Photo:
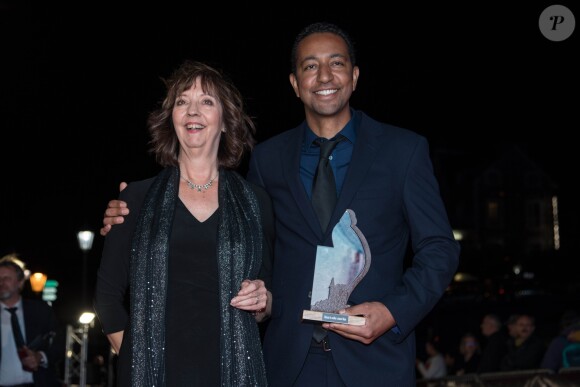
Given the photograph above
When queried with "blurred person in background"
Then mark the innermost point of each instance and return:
(30, 354)
(569, 333)
(469, 356)
(511, 325)
(525, 350)
(434, 366)
(494, 344)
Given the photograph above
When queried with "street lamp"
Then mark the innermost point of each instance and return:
(85, 239)
(86, 320)
(37, 282)
(77, 345)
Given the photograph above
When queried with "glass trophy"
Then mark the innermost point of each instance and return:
(337, 271)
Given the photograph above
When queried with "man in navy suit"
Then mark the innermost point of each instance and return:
(34, 364)
(384, 174)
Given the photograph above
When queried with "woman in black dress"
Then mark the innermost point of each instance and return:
(183, 281)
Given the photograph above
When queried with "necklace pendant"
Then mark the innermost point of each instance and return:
(199, 187)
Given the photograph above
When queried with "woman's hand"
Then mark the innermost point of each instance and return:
(254, 297)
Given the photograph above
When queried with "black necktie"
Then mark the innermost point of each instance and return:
(324, 198)
(16, 328)
(323, 186)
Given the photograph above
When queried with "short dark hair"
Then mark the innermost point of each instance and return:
(321, 27)
(8, 262)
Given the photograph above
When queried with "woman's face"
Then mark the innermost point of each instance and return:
(197, 118)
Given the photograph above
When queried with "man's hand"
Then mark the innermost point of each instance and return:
(30, 359)
(378, 320)
(115, 212)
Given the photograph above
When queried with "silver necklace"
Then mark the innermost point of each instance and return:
(200, 187)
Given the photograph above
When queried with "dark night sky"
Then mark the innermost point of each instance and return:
(75, 92)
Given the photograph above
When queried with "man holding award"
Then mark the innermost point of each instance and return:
(383, 174)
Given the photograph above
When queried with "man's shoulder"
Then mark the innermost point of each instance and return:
(368, 123)
(278, 139)
(275, 144)
(261, 193)
(34, 304)
(34, 301)
(534, 341)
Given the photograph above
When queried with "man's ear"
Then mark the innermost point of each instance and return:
(355, 74)
(294, 83)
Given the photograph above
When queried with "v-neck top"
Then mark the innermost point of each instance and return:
(192, 341)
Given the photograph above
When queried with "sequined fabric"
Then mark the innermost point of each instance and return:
(239, 257)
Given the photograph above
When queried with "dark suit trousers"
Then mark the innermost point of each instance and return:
(319, 370)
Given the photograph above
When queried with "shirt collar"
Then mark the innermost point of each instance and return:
(17, 305)
(349, 131)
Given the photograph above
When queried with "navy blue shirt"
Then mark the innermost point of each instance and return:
(339, 159)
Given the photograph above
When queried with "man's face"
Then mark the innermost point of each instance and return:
(9, 284)
(525, 327)
(488, 327)
(325, 77)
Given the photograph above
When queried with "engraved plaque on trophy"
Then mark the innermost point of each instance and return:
(337, 271)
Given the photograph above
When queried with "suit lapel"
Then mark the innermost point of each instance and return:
(27, 321)
(291, 168)
(365, 151)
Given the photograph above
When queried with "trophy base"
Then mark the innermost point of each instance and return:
(333, 317)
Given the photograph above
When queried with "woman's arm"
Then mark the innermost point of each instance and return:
(116, 339)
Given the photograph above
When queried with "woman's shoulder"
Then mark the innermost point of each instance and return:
(136, 190)
(141, 184)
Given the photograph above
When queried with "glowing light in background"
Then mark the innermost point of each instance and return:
(556, 224)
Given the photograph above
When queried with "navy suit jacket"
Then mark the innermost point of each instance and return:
(391, 187)
(39, 319)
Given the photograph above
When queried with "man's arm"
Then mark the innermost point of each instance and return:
(115, 212)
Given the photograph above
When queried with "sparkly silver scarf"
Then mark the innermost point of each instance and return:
(239, 253)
